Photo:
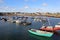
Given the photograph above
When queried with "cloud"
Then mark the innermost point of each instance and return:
(38, 9)
(7, 8)
(45, 4)
(21, 9)
(26, 7)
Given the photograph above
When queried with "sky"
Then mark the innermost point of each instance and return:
(29, 5)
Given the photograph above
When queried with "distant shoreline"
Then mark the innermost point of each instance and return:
(31, 14)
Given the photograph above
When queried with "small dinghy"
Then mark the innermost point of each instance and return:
(40, 32)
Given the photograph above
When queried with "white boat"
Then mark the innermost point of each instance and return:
(18, 21)
(58, 25)
(37, 19)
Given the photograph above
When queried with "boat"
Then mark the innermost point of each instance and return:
(4, 19)
(18, 21)
(57, 28)
(37, 19)
(39, 37)
(41, 33)
(47, 28)
(26, 23)
(12, 21)
(50, 28)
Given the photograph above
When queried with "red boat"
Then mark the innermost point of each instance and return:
(49, 28)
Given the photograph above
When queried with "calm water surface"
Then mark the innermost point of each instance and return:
(12, 31)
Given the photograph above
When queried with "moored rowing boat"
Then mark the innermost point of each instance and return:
(41, 33)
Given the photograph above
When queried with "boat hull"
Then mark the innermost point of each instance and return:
(41, 33)
(50, 29)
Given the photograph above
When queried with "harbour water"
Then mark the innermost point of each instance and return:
(13, 31)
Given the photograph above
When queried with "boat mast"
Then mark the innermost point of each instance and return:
(43, 21)
(48, 21)
(15, 15)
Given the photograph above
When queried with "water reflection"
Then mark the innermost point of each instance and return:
(17, 24)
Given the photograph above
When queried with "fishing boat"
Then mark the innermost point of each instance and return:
(47, 28)
(25, 22)
(41, 33)
(50, 28)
